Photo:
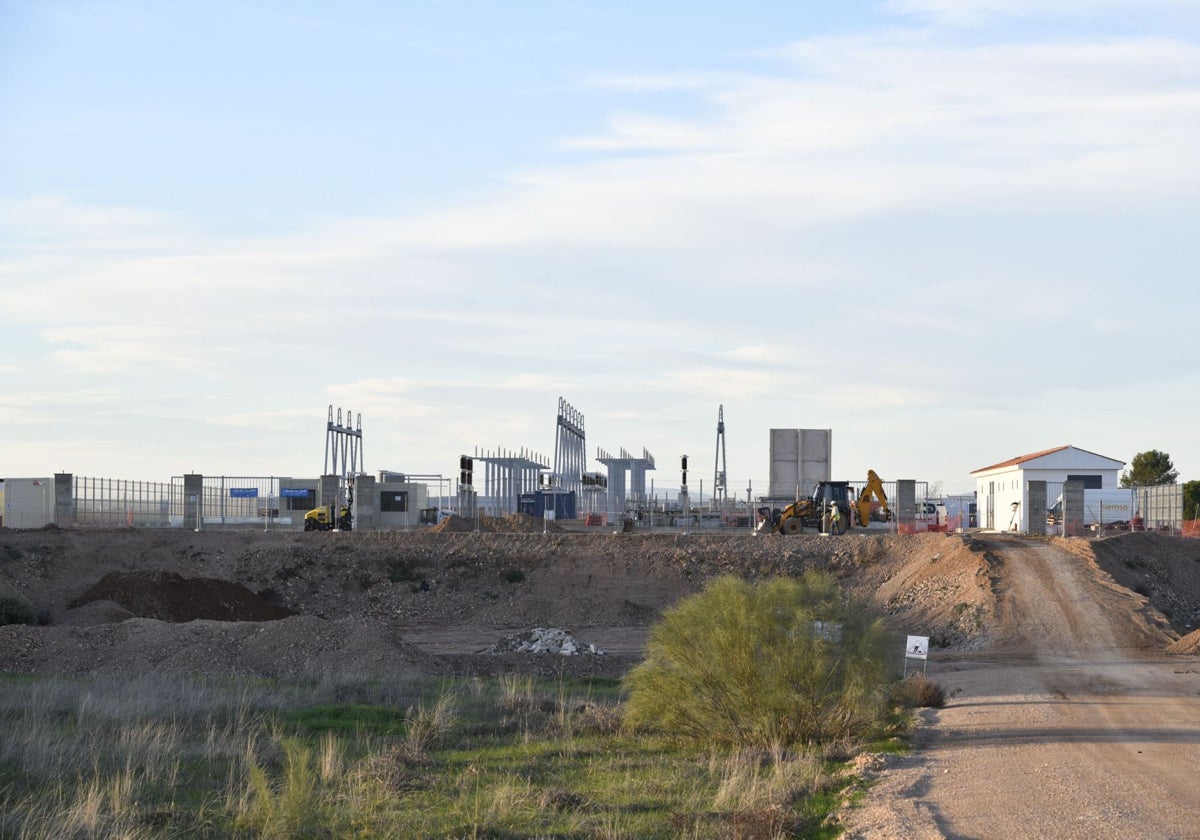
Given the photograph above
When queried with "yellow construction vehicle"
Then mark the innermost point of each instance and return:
(874, 488)
(319, 519)
(817, 511)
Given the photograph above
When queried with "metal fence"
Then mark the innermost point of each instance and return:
(116, 503)
(245, 500)
(1156, 507)
(225, 501)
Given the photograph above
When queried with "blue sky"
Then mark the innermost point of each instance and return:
(952, 232)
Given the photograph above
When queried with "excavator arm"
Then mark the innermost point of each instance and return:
(874, 487)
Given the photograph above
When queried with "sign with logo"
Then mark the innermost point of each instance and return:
(293, 493)
(917, 647)
(243, 492)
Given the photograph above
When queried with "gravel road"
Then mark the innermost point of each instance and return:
(1070, 726)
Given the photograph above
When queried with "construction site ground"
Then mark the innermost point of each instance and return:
(1071, 665)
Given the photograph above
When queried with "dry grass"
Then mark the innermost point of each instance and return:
(175, 758)
(919, 692)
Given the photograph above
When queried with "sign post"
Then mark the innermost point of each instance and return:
(916, 647)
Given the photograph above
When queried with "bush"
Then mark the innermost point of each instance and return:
(918, 692)
(16, 611)
(778, 663)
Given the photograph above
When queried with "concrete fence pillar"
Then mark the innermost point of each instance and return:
(193, 501)
(329, 492)
(906, 505)
(63, 514)
(1035, 513)
(364, 503)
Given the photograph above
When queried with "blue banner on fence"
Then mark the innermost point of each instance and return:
(294, 493)
(243, 492)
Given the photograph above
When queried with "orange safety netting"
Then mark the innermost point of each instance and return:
(919, 527)
(1191, 527)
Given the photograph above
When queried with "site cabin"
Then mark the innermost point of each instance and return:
(1002, 490)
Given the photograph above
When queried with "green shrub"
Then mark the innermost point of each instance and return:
(16, 611)
(781, 662)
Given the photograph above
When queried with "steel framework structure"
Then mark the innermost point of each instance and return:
(719, 489)
(570, 449)
(344, 443)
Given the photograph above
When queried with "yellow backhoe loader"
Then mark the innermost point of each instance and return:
(817, 511)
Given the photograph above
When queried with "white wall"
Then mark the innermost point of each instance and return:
(27, 503)
(1008, 487)
(1011, 485)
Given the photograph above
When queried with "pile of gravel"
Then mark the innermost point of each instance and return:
(544, 640)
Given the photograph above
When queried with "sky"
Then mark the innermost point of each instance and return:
(950, 231)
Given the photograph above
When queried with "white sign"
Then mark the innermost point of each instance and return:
(917, 647)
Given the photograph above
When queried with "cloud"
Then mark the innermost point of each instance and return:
(810, 243)
(974, 13)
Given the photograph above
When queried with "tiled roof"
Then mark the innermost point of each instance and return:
(1020, 459)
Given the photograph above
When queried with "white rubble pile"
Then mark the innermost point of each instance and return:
(544, 640)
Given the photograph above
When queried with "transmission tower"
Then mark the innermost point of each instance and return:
(719, 493)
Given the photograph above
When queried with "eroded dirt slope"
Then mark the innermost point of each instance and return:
(462, 585)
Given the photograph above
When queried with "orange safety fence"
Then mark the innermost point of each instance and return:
(922, 527)
(1191, 528)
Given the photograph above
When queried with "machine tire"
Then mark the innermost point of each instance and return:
(792, 526)
(310, 525)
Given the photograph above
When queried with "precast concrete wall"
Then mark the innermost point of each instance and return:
(799, 459)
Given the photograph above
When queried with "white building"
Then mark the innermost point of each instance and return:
(1003, 489)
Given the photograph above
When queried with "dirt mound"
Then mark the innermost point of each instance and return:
(937, 586)
(167, 596)
(300, 646)
(516, 523)
(1164, 569)
(1189, 645)
(512, 576)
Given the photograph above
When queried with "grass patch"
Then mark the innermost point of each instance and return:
(347, 720)
(504, 757)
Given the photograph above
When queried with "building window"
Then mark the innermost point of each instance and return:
(293, 501)
(393, 501)
(1090, 482)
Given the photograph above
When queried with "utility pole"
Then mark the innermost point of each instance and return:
(719, 463)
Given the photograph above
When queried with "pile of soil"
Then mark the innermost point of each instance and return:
(1189, 645)
(300, 646)
(516, 523)
(1164, 569)
(447, 584)
(167, 596)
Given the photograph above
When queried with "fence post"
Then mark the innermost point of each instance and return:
(193, 501)
(64, 500)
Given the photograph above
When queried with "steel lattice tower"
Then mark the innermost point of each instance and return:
(719, 489)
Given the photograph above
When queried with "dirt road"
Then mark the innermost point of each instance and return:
(1065, 720)
(1071, 725)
